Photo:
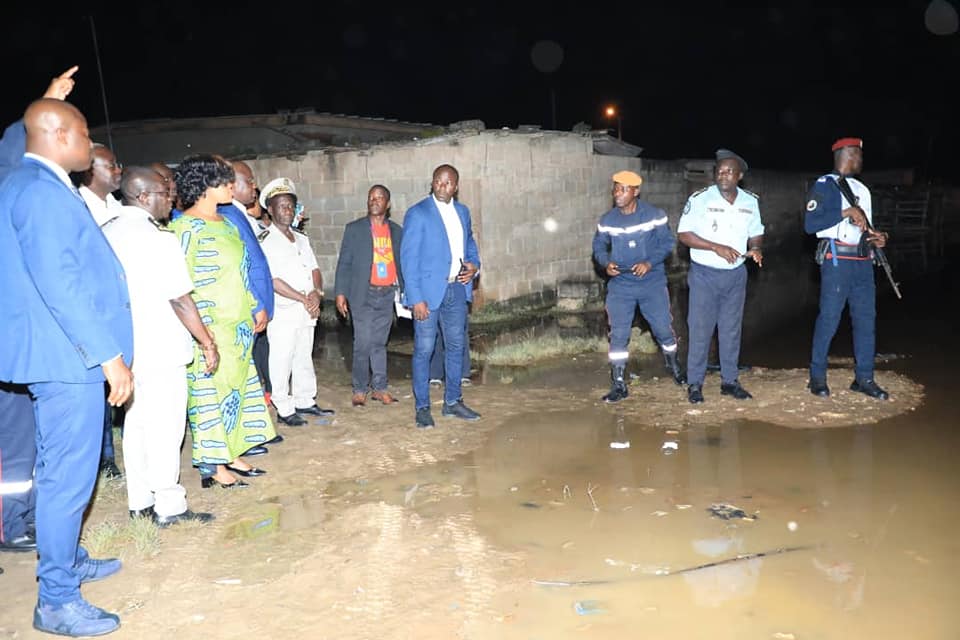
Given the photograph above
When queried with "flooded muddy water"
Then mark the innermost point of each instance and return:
(843, 532)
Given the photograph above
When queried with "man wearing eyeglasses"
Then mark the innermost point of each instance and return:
(98, 183)
(164, 318)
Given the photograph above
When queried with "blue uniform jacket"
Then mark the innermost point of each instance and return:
(824, 205)
(425, 253)
(258, 273)
(68, 309)
(642, 236)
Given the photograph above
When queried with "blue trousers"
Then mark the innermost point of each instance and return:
(654, 302)
(18, 453)
(450, 318)
(69, 421)
(439, 353)
(849, 282)
(716, 303)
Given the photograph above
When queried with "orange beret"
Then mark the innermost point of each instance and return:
(628, 178)
(847, 142)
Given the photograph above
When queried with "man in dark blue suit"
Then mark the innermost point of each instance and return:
(72, 330)
(439, 260)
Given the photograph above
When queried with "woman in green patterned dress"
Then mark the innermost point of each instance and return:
(226, 410)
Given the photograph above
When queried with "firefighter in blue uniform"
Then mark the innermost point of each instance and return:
(721, 225)
(631, 243)
(846, 270)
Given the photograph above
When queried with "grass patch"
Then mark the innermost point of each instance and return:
(533, 349)
(110, 538)
(493, 314)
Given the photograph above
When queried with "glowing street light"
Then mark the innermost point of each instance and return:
(612, 112)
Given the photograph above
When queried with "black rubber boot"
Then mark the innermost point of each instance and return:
(672, 363)
(618, 387)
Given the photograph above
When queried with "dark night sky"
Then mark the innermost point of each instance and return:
(776, 84)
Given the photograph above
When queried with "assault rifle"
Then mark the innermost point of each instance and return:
(878, 252)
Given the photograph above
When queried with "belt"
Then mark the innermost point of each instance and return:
(383, 286)
(846, 252)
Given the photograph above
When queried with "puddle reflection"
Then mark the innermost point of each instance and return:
(829, 530)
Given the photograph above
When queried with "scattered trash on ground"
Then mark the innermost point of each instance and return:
(730, 512)
(620, 445)
(588, 607)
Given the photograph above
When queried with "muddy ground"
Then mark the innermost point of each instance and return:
(292, 558)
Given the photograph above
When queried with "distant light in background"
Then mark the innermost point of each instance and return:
(550, 225)
(941, 18)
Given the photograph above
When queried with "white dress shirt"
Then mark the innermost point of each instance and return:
(451, 222)
(102, 210)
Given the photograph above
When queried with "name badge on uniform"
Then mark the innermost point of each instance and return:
(381, 269)
(632, 244)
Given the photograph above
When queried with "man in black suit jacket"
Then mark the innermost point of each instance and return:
(368, 276)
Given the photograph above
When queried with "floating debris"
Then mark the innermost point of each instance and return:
(729, 512)
(588, 607)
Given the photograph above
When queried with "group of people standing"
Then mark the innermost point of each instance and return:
(722, 227)
(194, 298)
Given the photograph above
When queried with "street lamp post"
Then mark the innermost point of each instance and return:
(612, 112)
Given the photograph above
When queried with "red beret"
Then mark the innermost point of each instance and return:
(847, 142)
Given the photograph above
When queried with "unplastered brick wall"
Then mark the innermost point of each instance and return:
(535, 198)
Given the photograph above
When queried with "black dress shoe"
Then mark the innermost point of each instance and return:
(292, 420)
(316, 411)
(819, 388)
(459, 410)
(277, 439)
(110, 469)
(252, 472)
(734, 389)
(210, 481)
(26, 542)
(695, 393)
(256, 451)
(146, 512)
(870, 388)
(186, 516)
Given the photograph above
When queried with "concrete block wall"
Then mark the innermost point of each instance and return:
(513, 183)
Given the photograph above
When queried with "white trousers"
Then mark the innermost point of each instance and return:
(291, 357)
(153, 431)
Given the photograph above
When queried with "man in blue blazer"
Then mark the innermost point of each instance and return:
(18, 449)
(71, 327)
(439, 260)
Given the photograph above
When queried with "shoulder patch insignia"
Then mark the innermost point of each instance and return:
(686, 208)
(811, 205)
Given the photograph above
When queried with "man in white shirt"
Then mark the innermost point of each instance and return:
(164, 317)
(98, 183)
(96, 186)
(298, 292)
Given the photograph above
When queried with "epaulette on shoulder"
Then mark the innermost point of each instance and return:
(263, 234)
(159, 227)
(303, 233)
(698, 192)
(750, 193)
(109, 222)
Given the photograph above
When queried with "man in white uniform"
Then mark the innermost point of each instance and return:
(164, 317)
(298, 291)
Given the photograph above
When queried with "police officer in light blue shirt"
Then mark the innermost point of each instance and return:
(721, 225)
